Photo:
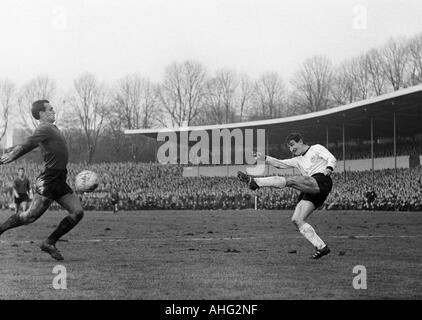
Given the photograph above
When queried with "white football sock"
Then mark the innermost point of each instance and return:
(276, 181)
(310, 234)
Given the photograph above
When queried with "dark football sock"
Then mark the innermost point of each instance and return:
(64, 227)
(13, 222)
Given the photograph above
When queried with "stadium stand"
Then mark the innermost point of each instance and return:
(384, 120)
(155, 186)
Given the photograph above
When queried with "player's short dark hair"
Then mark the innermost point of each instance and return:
(38, 106)
(294, 136)
(21, 168)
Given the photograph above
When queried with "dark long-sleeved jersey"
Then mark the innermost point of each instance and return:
(52, 143)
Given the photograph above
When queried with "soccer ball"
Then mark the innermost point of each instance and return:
(86, 181)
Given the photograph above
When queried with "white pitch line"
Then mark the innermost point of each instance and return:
(212, 239)
(129, 240)
(376, 236)
(208, 239)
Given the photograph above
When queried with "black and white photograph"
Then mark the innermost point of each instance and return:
(234, 151)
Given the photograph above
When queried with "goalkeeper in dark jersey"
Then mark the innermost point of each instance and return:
(51, 184)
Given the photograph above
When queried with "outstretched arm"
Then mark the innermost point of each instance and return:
(29, 144)
(277, 163)
(17, 151)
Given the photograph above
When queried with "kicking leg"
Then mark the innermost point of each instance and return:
(303, 210)
(38, 206)
(302, 183)
(275, 181)
(255, 183)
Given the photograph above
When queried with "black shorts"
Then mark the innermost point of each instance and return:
(52, 184)
(325, 185)
(22, 198)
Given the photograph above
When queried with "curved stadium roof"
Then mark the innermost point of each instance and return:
(356, 117)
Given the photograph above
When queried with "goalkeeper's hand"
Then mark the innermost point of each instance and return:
(10, 156)
(4, 159)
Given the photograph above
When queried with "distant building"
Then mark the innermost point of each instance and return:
(13, 136)
(16, 136)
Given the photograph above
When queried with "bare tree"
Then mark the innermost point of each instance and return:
(40, 88)
(312, 85)
(219, 102)
(377, 77)
(127, 97)
(211, 110)
(395, 59)
(68, 120)
(135, 105)
(351, 81)
(149, 103)
(344, 88)
(415, 57)
(360, 75)
(7, 92)
(182, 91)
(136, 99)
(90, 104)
(227, 83)
(269, 93)
(114, 128)
(244, 96)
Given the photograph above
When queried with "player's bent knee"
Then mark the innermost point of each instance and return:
(77, 215)
(26, 218)
(297, 222)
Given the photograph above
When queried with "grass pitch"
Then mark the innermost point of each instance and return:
(215, 255)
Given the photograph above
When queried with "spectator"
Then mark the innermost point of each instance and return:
(142, 186)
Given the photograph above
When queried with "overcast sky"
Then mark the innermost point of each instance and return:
(112, 38)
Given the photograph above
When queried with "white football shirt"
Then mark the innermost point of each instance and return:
(315, 160)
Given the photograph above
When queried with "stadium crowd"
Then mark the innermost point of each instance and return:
(363, 151)
(154, 186)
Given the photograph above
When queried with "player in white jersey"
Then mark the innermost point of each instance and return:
(315, 163)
